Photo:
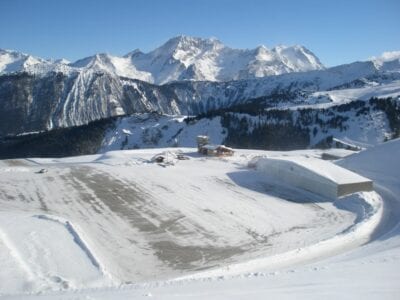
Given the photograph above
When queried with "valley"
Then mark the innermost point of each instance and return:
(105, 195)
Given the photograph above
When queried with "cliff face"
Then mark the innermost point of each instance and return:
(28, 103)
(31, 103)
(34, 103)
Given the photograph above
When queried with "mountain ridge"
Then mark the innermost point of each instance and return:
(49, 94)
(180, 58)
(185, 58)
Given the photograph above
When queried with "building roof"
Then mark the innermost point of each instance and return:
(211, 147)
(202, 137)
(325, 169)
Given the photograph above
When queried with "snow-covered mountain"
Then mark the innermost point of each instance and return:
(184, 58)
(188, 58)
(120, 66)
(388, 61)
(101, 86)
(342, 124)
(194, 59)
(35, 103)
(361, 123)
(180, 58)
(222, 227)
(16, 62)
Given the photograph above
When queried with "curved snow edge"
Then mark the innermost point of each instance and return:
(356, 235)
(77, 235)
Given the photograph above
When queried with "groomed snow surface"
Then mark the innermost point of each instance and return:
(121, 226)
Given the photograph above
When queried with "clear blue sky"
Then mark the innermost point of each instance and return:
(337, 31)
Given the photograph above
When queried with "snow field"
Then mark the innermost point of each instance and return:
(369, 271)
(119, 219)
(49, 252)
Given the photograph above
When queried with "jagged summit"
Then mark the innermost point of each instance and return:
(192, 58)
(14, 62)
(180, 58)
(184, 42)
(388, 61)
(135, 52)
(187, 58)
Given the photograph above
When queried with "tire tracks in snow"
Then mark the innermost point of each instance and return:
(356, 235)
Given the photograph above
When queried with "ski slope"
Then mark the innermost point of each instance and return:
(391, 89)
(194, 229)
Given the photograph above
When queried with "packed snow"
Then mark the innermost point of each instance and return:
(49, 252)
(128, 226)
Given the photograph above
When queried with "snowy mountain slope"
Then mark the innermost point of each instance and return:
(33, 103)
(120, 66)
(93, 89)
(282, 90)
(180, 58)
(188, 58)
(388, 61)
(362, 123)
(155, 131)
(371, 89)
(15, 62)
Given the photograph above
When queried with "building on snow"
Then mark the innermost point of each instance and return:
(315, 175)
(205, 148)
(216, 150)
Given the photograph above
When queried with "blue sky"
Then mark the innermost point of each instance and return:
(336, 31)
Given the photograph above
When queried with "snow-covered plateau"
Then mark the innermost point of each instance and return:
(119, 225)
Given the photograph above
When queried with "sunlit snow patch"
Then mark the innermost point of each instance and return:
(47, 253)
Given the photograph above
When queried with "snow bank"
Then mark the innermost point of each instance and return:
(382, 159)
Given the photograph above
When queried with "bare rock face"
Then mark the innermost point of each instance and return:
(34, 103)
(38, 95)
